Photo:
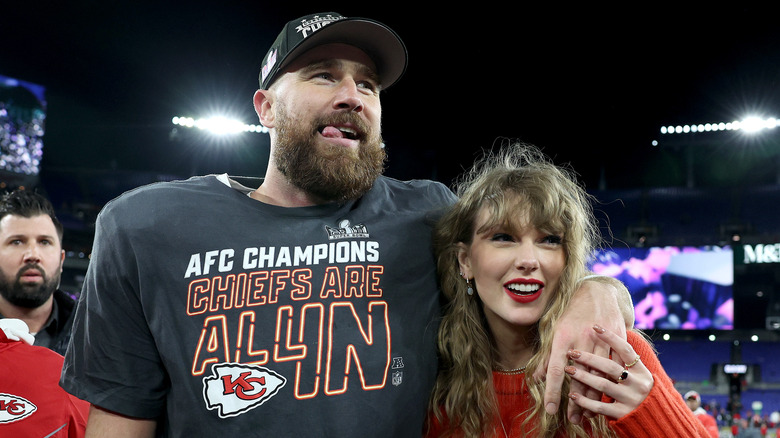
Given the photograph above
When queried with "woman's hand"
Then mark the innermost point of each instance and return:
(594, 301)
(628, 385)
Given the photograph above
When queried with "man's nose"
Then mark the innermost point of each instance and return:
(32, 254)
(348, 96)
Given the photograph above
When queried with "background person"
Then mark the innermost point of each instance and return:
(745, 430)
(510, 253)
(32, 404)
(693, 400)
(31, 259)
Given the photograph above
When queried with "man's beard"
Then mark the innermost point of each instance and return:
(329, 173)
(28, 296)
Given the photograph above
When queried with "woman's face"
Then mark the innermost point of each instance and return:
(515, 271)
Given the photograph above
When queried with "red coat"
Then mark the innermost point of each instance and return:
(662, 413)
(708, 421)
(32, 404)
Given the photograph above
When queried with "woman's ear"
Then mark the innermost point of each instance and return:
(464, 261)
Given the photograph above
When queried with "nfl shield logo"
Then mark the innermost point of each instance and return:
(398, 376)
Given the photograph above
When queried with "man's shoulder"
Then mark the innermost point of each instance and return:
(410, 183)
(158, 194)
(175, 186)
(705, 415)
(155, 204)
(421, 189)
(26, 354)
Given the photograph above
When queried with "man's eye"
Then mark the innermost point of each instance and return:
(368, 86)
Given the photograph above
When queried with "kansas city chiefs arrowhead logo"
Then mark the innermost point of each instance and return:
(234, 388)
(14, 408)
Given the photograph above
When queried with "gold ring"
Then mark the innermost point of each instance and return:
(629, 365)
(623, 376)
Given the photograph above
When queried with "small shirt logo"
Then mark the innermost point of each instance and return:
(14, 408)
(398, 378)
(234, 389)
(345, 230)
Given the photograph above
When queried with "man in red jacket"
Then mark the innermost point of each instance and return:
(31, 401)
(693, 400)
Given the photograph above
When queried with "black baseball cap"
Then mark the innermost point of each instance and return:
(378, 41)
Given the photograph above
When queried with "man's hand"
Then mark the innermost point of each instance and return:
(599, 300)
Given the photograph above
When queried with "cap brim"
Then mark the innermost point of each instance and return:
(379, 42)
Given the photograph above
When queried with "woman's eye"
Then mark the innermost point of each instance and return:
(501, 237)
(553, 239)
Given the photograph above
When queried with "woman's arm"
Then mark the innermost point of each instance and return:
(640, 398)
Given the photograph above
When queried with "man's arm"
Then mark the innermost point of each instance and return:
(103, 423)
(599, 300)
(622, 295)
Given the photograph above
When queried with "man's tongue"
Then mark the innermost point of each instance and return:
(331, 132)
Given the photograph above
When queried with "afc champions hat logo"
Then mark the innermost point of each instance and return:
(308, 27)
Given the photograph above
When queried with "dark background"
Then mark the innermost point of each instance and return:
(590, 85)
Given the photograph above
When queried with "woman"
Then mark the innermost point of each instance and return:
(510, 254)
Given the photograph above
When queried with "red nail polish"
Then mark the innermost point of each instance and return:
(573, 396)
(574, 354)
(599, 328)
(570, 370)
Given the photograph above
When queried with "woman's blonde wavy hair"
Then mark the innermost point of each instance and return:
(519, 181)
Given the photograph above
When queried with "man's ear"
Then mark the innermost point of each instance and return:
(263, 101)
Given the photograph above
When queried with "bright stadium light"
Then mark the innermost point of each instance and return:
(218, 125)
(749, 125)
(755, 124)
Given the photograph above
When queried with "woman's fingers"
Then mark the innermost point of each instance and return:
(624, 378)
(625, 352)
(612, 410)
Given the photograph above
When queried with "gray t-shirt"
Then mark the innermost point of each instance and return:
(218, 314)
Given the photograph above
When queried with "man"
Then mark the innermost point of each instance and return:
(745, 430)
(32, 404)
(31, 259)
(693, 400)
(306, 306)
